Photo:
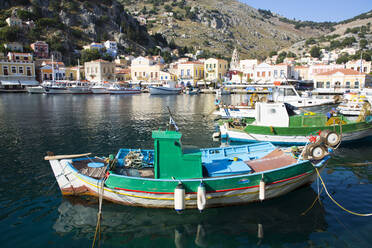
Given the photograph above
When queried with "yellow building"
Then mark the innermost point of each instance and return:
(145, 69)
(72, 73)
(15, 75)
(190, 72)
(215, 69)
(122, 74)
(341, 79)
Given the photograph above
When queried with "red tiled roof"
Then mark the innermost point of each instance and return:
(192, 62)
(343, 71)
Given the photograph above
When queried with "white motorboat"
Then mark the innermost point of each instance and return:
(35, 89)
(79, 87)
(169, 88)
(354, 104)
(56, 87)
(117, 89)
(99, 89)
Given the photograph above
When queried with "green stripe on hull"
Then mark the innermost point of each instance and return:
(212, 184)
(305, 131)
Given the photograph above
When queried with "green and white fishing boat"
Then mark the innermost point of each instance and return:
(168, 177)
(279, 124)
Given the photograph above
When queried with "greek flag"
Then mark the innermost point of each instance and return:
(172, 122)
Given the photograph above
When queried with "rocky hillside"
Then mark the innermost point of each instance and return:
(220, 25)
(355, 33)
(68, 25)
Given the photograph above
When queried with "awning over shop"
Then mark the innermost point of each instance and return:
(9, 82)
(28, 82)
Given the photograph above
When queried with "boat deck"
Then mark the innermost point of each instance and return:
(84, 167)
(274, 160)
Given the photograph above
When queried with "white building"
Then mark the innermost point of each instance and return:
(99, 71)
(111, 48)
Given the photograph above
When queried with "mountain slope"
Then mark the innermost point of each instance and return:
(221, 25)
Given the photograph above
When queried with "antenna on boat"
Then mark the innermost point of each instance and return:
(172, 123)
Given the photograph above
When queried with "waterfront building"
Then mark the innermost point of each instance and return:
(215, 69)
(301, 72)
(341, 80)
(167, 76)
(41, 49)
(146, 68)
(359, 65)
(248, 67)
(99, 71)
(14, 46)
(190, 72)
(321, 68)
(46, 70)
(122, 74)
(235, 74)
(72, 73)
(16, 72)
(267, 74)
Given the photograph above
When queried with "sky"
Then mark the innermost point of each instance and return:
(314, 10)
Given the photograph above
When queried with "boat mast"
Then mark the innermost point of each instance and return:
(52, 69)
(78, 72)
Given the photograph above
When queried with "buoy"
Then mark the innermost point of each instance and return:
(262, 189)
(201, 197)
(179, 197)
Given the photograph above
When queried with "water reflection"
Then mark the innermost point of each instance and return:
(269, 222)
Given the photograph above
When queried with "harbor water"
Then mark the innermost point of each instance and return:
(34, 214)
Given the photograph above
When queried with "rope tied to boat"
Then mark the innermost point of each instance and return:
(99, 214)
(335, 202)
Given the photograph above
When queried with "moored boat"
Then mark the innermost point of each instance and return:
(117, 89)
(168, 177)
(79, 87)
(35, 89)
(168, 88)
(277, 123)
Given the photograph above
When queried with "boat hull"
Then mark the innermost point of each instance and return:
(124, 91)
(36, 90)
(164, 90)
(99, 90)
(291, 139)
(155, 193)
(79, 90)
(57, 90)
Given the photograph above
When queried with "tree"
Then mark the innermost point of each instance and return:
(273, 53)
(315, 52)
(89, 55)
(281, 57)
(343, 58)
(167, 8)
(363, 43)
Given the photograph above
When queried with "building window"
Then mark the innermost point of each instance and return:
(258, 74)
(28, 70)
(166, 77)
(320, 84)
(365, 69)
(17, 57)
(135, 74)
(281, 73)
(214, 66)
(275, 73)
(5, 70)
(25, 58)
(269, 73)
(182, 72)
(200, 72)
(14, 69)
(220, 65)
(104, 69)
(188, 72)
(263, 74)
(196, 72)
(347, 85)
(112, 70)
(328, 84)
(356, 84)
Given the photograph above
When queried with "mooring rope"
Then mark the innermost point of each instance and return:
(335, 202)
(99, 214)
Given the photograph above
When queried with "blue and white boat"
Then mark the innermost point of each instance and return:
(169, 88)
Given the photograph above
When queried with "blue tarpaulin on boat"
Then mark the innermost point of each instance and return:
(224, 167)
(9, 82)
